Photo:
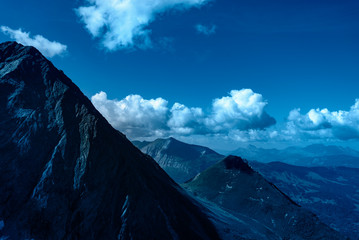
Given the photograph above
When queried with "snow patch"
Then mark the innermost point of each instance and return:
(317, 200)
(9, 67)
(203, 152)
(38, 192)
(165, 145)
(254, 199)
(195, 178)
(81, 162)
(125, 206)
(228, 187)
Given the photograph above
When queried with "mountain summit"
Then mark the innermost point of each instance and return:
(65, 173)
(234, 186)
(180, 160)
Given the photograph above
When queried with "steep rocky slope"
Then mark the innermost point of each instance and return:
(180, 160)
(234, 186)
(65, 173)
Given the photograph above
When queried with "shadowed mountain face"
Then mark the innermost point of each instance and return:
(329, 192)
(180, 160)
(236, 188)
(312, 155)
(65, 173)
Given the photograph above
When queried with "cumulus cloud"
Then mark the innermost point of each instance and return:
(46, 47)
(322, 123)
(206, 30)
(184, 120)
(124, 23)
(243, 110)
(133, 114)
(239, 115)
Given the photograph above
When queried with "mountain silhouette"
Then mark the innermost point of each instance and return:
(65, 173)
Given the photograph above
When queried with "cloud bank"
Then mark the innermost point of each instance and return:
(134, 115)
(206, 30)
(124, 23)
(240, 115)
(46, 47)
(322, 123)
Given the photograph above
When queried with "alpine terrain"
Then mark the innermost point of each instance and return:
(234, 186)
(309, 156)
(329, 192)
(180, 160)
(65, 173)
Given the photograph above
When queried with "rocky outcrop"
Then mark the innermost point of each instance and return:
(235, 187)
(65, 173)
(180, 160)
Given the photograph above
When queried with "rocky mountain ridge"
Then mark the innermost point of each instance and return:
(234, 186)
(65, 173)
(180, 160)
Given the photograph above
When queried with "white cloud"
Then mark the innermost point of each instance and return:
(322, 123)
(185, 120)
(240, 114)
(134, 115)
(243, 110)
(124, 23)
(46, 47)
(206, 30)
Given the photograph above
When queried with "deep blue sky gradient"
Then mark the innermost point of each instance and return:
(297, 54)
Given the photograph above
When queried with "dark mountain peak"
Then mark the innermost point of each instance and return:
(11, 48)
(11, 51)
(172, 139)
(233, 185)
(234, 162)
(26, 64)
(65, 173)
(166, 141)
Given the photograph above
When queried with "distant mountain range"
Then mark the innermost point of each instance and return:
(312, 155)
(180, 160)
(329, 192)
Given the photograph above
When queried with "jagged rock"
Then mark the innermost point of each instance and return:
(180, 160)
(65, 173)
(234, 186)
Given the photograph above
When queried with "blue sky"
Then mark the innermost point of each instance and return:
(278, 55)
